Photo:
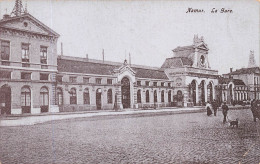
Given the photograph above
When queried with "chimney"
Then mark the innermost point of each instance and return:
(6, 16)
(87, 57)
(61, 51)
(230, 76)
(103, 54)
(129, 59)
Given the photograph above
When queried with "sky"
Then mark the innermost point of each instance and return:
(150, 30)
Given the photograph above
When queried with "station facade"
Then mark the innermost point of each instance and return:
(35, 79)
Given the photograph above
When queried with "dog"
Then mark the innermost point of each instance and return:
(234, 123)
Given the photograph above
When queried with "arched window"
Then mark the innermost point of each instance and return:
(59, 97)
(109, 96)
(155, 96)
(26, 99)
(169, 96)
(86, 96)
(147, 96)
(139, 96)
(44, 99)
(162, 96)
(73, 96)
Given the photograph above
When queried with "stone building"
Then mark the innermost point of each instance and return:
(242, 84)
(190, 71)
(28, 64)
(34, 79)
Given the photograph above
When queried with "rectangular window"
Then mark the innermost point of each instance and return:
(25, 53)
(169, 84)
(147, 83)
(73, 79)
(59, 78)
(162, 84)
(26, 76)
(98, 80)
(5, 50)
(139, 83)
(109, 81)
(43, 55)
(44, 76)
(5, 75)
(85, 80)
(155, 84)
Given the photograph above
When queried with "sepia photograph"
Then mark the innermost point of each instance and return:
(129, 81)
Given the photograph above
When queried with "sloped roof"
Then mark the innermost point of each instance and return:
(245, 71)
(227, 80)
(176, 62)
(85, 67)
(183, 48)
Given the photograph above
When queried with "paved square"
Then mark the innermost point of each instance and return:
(180, 138)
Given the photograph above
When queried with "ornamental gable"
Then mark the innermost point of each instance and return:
(27, 23)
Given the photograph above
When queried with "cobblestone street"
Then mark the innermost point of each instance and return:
(180, 138)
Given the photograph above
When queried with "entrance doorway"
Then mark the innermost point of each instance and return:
(98, 98)
(193, 92)
(5, 99)
(125, 89)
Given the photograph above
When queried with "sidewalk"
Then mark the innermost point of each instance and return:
(20, 120)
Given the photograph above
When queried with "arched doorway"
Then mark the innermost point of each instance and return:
(125, 89)
(5, 99)
(193, 92)
(179, 98)
(210, 92)
(202, 85)
(99, 98)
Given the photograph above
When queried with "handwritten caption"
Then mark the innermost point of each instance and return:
(213, 10)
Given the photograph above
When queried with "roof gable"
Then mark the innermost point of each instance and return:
(202, 45)
(27, 23)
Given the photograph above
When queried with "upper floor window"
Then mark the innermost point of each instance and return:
(162, 84)
(5, 50)
(109, 81)
(5, 75)
(73, 79)
(26, 75)
(139, 83)
(25, 52)
(147, 83)
(169, 84)
(155, 84)
(85, 80)
(43, 55)
(98, 80)
(44, 76)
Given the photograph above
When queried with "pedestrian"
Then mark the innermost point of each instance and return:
(215, 107)
(225, 111)
(254, 109)
(209, 109)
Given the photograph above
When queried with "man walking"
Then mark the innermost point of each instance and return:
(215, 107)
(224, 111)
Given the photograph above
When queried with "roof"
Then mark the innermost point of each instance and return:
(177, 62)
(100, 68)
(183, 48)
(29, 16)
(245, 71)
(228, 80)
